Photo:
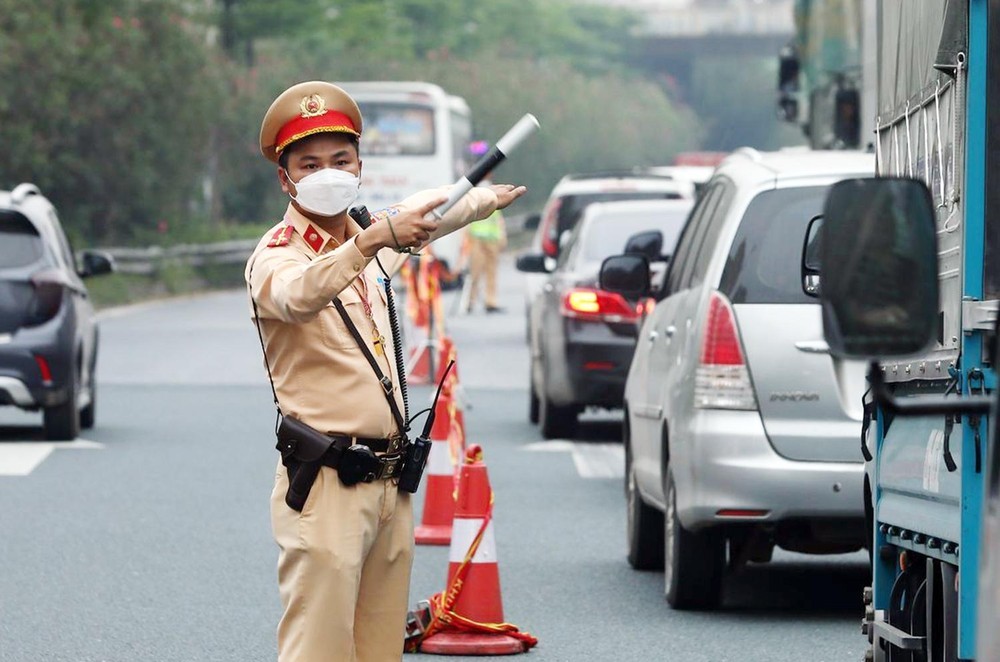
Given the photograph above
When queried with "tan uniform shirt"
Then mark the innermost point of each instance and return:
(320, 374)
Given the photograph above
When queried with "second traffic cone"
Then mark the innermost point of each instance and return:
(439, 499)
(471, 619)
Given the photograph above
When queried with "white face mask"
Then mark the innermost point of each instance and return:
(327, 192)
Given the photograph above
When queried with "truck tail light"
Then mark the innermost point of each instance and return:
(597, 305)
(722, 380)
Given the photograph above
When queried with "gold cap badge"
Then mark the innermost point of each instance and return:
(312, 106)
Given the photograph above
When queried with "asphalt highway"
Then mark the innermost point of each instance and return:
(149, 538)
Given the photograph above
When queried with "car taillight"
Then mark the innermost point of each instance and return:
(722, 380)
(44, 370)
(597, 305)
(550, 229)
(48, 295)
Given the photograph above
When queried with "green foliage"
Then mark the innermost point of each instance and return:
(104, 108)
(140, 118)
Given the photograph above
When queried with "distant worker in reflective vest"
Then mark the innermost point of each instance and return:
(487, 239)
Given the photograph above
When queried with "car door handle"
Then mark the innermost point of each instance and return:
(670, 331)
(813, 346)
(548, 287)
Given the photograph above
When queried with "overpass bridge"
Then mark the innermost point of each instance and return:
(673, 34)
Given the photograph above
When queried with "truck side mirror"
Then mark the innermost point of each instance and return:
(878, 250)
(648, 243)
(627, 275)
(788, 69)
(810, 257)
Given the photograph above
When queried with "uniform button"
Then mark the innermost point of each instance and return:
(312, 236)
(357, 267)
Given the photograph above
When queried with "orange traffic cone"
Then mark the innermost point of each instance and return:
(419, 367)
(439, 497)
(446, 354)
(468, 617)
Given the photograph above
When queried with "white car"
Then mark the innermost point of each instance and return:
(573, 193)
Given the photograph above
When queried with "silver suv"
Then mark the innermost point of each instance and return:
(741, 431)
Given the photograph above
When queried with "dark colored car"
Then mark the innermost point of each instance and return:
(48, 335)
(581, 337)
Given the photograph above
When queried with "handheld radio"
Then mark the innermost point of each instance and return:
(418, 451)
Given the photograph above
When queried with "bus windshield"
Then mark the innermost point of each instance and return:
(397, 129)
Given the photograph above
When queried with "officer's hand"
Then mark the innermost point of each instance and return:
(409, 228)
(507, 193)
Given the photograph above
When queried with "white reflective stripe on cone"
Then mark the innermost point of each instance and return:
(439, 461)
(463, 532)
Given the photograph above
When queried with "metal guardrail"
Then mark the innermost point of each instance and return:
(148, 261)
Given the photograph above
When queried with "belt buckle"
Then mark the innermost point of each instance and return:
(395, 444)
(390, 466)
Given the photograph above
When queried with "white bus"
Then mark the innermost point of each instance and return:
(416, 136)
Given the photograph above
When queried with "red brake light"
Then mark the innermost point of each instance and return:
(43, 368)
(721, 344)
(550, 230)
(592, 304)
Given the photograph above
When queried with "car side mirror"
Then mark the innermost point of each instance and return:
(810, 257)
(531, 221)
(95, 263)
(878, 250)
(627, 275)
(648, 243)
(532, 263)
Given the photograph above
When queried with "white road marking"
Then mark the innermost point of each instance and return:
(592, 460)
(554, 446)
(599, 460)
(20, 458)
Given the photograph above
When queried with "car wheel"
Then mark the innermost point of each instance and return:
(556, 422)
(533, 404)
(693, 561)
(88, 413)
(62, 422)
(644, 524)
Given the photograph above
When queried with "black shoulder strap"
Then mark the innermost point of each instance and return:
(260, 336)
(383, 380)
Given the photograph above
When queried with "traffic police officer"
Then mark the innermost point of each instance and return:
(344, 560)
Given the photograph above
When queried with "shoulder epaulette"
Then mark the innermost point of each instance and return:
(281, 237)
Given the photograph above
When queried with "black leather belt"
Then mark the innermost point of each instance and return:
(394, 445)
(375, 468)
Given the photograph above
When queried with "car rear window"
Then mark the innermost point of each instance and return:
(571, 206)
(607, 236)
(20, 244)
(764, 260)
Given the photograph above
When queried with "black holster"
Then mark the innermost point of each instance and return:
(302, 450)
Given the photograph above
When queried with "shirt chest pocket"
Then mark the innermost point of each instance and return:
(335, 332)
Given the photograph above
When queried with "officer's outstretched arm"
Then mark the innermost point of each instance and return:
(475, 205)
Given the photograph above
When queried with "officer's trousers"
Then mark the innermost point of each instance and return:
(484, 260)
(343, 570)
